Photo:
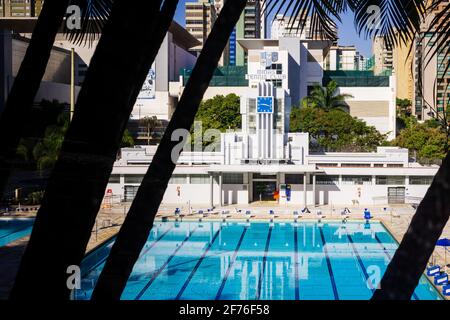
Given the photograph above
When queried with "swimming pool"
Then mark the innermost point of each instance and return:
(12, 229)
(248, 261)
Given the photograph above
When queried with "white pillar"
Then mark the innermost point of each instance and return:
(314, 190)
(304, 189)
(211, 194)
(220, 189)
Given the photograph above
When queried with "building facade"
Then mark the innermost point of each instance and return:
(431, 79)
(288, 27)
(251, 25)
(20, 8)
(383, 55)
(264, 157)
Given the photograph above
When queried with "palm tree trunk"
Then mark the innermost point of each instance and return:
(410, 260)
(139, 221)
(129, 44)
(26, 84)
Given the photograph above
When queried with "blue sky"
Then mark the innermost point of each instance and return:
(346, 31)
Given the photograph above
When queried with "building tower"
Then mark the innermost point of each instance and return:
(251, 25)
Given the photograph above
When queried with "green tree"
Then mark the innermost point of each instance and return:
(127, 140)
(149, 124)
(46, 152)
(327, 97)
(403, 106)
(425, 142)
(220, 113)
(335, 130)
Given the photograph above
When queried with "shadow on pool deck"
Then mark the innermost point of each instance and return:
(10, 256)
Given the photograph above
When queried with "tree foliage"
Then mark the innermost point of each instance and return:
(335, 130)
(220, 113)
(425, 141)
(327, 97)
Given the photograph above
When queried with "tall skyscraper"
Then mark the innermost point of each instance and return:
(431, 82)
(251, 25)
(200, 17)
(382, 54)
(403, 70)
(20, 8)
(284, 26)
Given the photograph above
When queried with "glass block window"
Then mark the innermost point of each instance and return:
(420, 180)
(233, 178)
(199, 179)
(178, 179)
(398, 180)
(134, 178)
(293, 179)
(357, 180)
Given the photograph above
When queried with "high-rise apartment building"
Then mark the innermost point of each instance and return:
(20, 8)
(286, 27)
(251, 25)
(383, 55)
(431, 81)
(403, 70)
(200, 17)
(342, 58)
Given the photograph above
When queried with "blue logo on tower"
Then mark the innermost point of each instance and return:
(264, 105)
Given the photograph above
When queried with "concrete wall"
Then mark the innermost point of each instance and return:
(375, 105)
(337, 194)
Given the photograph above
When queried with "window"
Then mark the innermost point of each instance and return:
(178, 179)
(378, 165)
(355, 165)
(293, 179)
(114, 178)
(359, 180)
(420, 180)
(399, 180)
(199, 179)
(322, 179)
(233, 178)
(326, 164)
(134, 178)
(395, 165)
(264, 176)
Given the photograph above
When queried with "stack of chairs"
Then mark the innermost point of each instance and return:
(440, 278)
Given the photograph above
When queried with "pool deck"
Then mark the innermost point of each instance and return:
(396, 219)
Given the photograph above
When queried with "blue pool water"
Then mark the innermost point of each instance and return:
(14, 229)
(217, 260)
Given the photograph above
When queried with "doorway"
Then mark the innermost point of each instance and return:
(264, 190)
(396, 195)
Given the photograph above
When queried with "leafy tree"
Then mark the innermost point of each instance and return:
(335, 130)
(220, 113)
(149, 124)
(403, 106)
(424, 141)
(327, 97)
(127, 140)
(46, 152)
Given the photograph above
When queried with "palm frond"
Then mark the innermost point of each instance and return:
(396, 20)
(321, 13)
(94, 14)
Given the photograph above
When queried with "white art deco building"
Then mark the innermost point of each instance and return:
(264, 158)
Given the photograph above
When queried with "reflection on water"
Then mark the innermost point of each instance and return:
(217, 260)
